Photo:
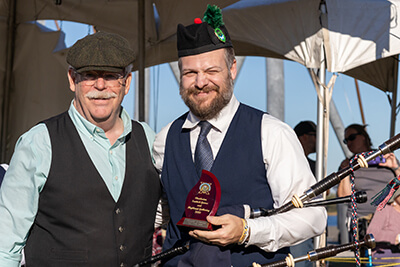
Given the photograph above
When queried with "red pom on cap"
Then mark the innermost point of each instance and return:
(197, 21)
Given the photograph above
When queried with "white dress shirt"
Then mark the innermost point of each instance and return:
(288, 173)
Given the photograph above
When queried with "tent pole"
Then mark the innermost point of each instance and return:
(394, 96)
(320, 159)
(359, 102)
(275, 88)
(141, 59)
(322, 139)
(10, 49)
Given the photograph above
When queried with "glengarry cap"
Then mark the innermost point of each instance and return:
(203, 36)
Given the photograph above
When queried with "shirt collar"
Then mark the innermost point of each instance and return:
(89, 129)
(221, 122)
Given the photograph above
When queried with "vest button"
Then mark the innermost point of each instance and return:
(122, 247)
(121, 229)
(117, 211)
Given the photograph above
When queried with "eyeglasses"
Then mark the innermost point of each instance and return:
(350, 138)
(111, 79)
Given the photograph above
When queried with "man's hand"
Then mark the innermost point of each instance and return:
(230, 232)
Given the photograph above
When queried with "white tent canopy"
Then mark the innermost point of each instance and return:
(359, 38)
(354, 32)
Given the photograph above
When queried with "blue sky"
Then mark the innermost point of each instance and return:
(250, 88)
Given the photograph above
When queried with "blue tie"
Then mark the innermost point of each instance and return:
(203, 156)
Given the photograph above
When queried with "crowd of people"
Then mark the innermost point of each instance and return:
(89, 186)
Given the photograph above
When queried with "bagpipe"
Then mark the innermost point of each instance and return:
(333, 179)
(360, 196)
(304, 201)
(322, 253)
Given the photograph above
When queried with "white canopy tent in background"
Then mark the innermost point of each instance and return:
(39, 74)
(354, 37)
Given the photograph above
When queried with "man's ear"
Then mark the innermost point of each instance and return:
(233, 70)
(72, 79)
(128, 83)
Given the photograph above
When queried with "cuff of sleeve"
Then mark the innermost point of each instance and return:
(247, 211)
(259, 234)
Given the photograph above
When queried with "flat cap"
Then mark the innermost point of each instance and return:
(100, 51)
(203, 36)
(305, 127)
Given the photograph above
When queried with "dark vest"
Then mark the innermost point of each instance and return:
(2, 173)
(239, 168)
(78, 222)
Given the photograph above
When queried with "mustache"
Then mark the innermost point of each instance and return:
(100, 95)
(207, 89)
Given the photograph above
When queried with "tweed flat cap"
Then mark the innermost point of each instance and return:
(203, 36)
(100, 51)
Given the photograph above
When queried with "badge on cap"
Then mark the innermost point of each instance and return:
(219, 33)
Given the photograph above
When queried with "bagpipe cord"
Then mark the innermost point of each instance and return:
(360, 158)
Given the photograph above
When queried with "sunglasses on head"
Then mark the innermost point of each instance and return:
(350, 138)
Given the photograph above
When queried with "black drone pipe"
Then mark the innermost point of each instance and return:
(164, 255)
(329, 251)
(361, 197)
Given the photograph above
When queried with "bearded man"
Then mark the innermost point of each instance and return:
(256, 158)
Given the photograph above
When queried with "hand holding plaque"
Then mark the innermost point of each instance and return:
(202, 201)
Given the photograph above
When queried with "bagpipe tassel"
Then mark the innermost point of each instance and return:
(385, 194)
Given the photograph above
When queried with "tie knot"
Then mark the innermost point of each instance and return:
(205, 128)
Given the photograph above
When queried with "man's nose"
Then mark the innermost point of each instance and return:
(201, 80)
(100, 83)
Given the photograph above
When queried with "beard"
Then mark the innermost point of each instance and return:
(207, 112)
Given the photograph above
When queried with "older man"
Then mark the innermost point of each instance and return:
(257, 159)
(81, 189)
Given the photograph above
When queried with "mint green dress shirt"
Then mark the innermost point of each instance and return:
(29, 169)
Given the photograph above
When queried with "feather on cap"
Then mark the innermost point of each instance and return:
(213, 16)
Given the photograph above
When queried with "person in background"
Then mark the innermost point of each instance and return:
(306, 132)
(81, 188)
(385, 228)
(256, 158)
(372, 179)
